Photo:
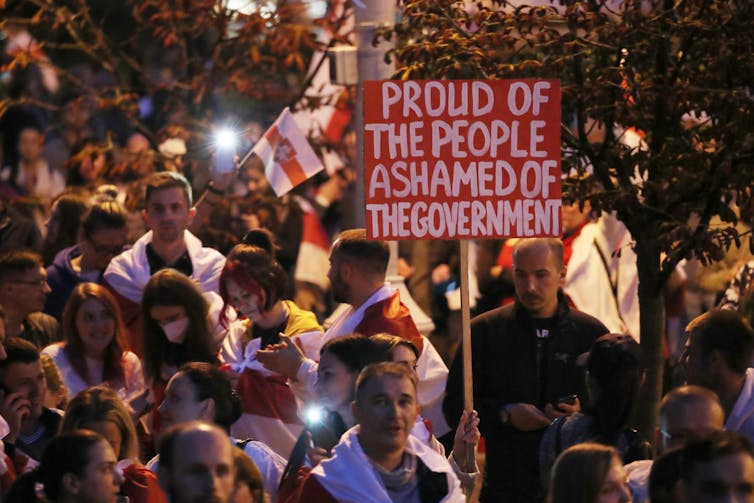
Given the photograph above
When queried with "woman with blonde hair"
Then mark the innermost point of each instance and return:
(589, 473)
(92, 352)
(57, 394)
(100, 410)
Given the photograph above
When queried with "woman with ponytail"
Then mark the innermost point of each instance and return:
(200, 391)
(76, 467)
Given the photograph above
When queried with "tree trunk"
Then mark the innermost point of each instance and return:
(652, 323)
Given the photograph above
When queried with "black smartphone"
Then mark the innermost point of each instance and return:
(568, 399)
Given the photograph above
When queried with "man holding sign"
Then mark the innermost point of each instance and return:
(525, 372)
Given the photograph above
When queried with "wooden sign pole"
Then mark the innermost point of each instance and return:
(468, 380)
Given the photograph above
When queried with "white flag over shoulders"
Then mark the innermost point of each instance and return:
(286, 154)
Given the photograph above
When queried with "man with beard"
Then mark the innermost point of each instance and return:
(22, 394)
(525, 372)
(357, 277)
(23, 291)
(718, 356)
(168, 244)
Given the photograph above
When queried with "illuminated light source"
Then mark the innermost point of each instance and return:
(314, 414)
(242, 6)
(226, 139)
(317, 8)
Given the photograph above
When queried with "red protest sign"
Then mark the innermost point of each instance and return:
(454, 159)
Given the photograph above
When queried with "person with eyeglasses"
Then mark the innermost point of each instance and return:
(102, 236)
(23, 291)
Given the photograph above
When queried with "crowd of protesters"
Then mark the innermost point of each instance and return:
(158, 346)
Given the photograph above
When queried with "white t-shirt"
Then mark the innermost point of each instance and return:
(134, 377)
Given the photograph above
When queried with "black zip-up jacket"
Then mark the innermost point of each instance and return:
(512, 365)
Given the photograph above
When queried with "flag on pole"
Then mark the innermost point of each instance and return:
(313, 259)
(286, 154)
(330, 118)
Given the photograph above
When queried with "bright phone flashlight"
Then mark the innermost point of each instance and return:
(226, 141)
(313, 415)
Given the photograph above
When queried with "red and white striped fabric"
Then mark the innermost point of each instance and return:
(286, 154)
(330, 118)
(313, 259)
(269, 406)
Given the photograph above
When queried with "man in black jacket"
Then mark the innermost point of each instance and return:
(525, 372)
(22, 394)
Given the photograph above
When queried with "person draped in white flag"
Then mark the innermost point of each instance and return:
(253, 282)
(357, 276)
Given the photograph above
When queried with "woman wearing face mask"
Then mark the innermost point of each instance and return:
(176, 329)
(253, 282)
(92, 352)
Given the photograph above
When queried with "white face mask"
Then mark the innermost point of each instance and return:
(175, 331)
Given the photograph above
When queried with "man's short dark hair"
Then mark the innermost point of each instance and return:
(354, 351)
(15, 262)
(19, 351)
(353, 244)
(664, 476)
(167, 180)
(102, 216)
(383, 369)
(723, 443)
(726, 331)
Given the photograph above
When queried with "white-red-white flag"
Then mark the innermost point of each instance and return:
(286, 154)
(332, 116)
(313, 259)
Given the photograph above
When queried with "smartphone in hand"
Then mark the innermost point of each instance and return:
(226, 141)
(568, 399)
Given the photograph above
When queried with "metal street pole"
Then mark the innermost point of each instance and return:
(370, 16)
